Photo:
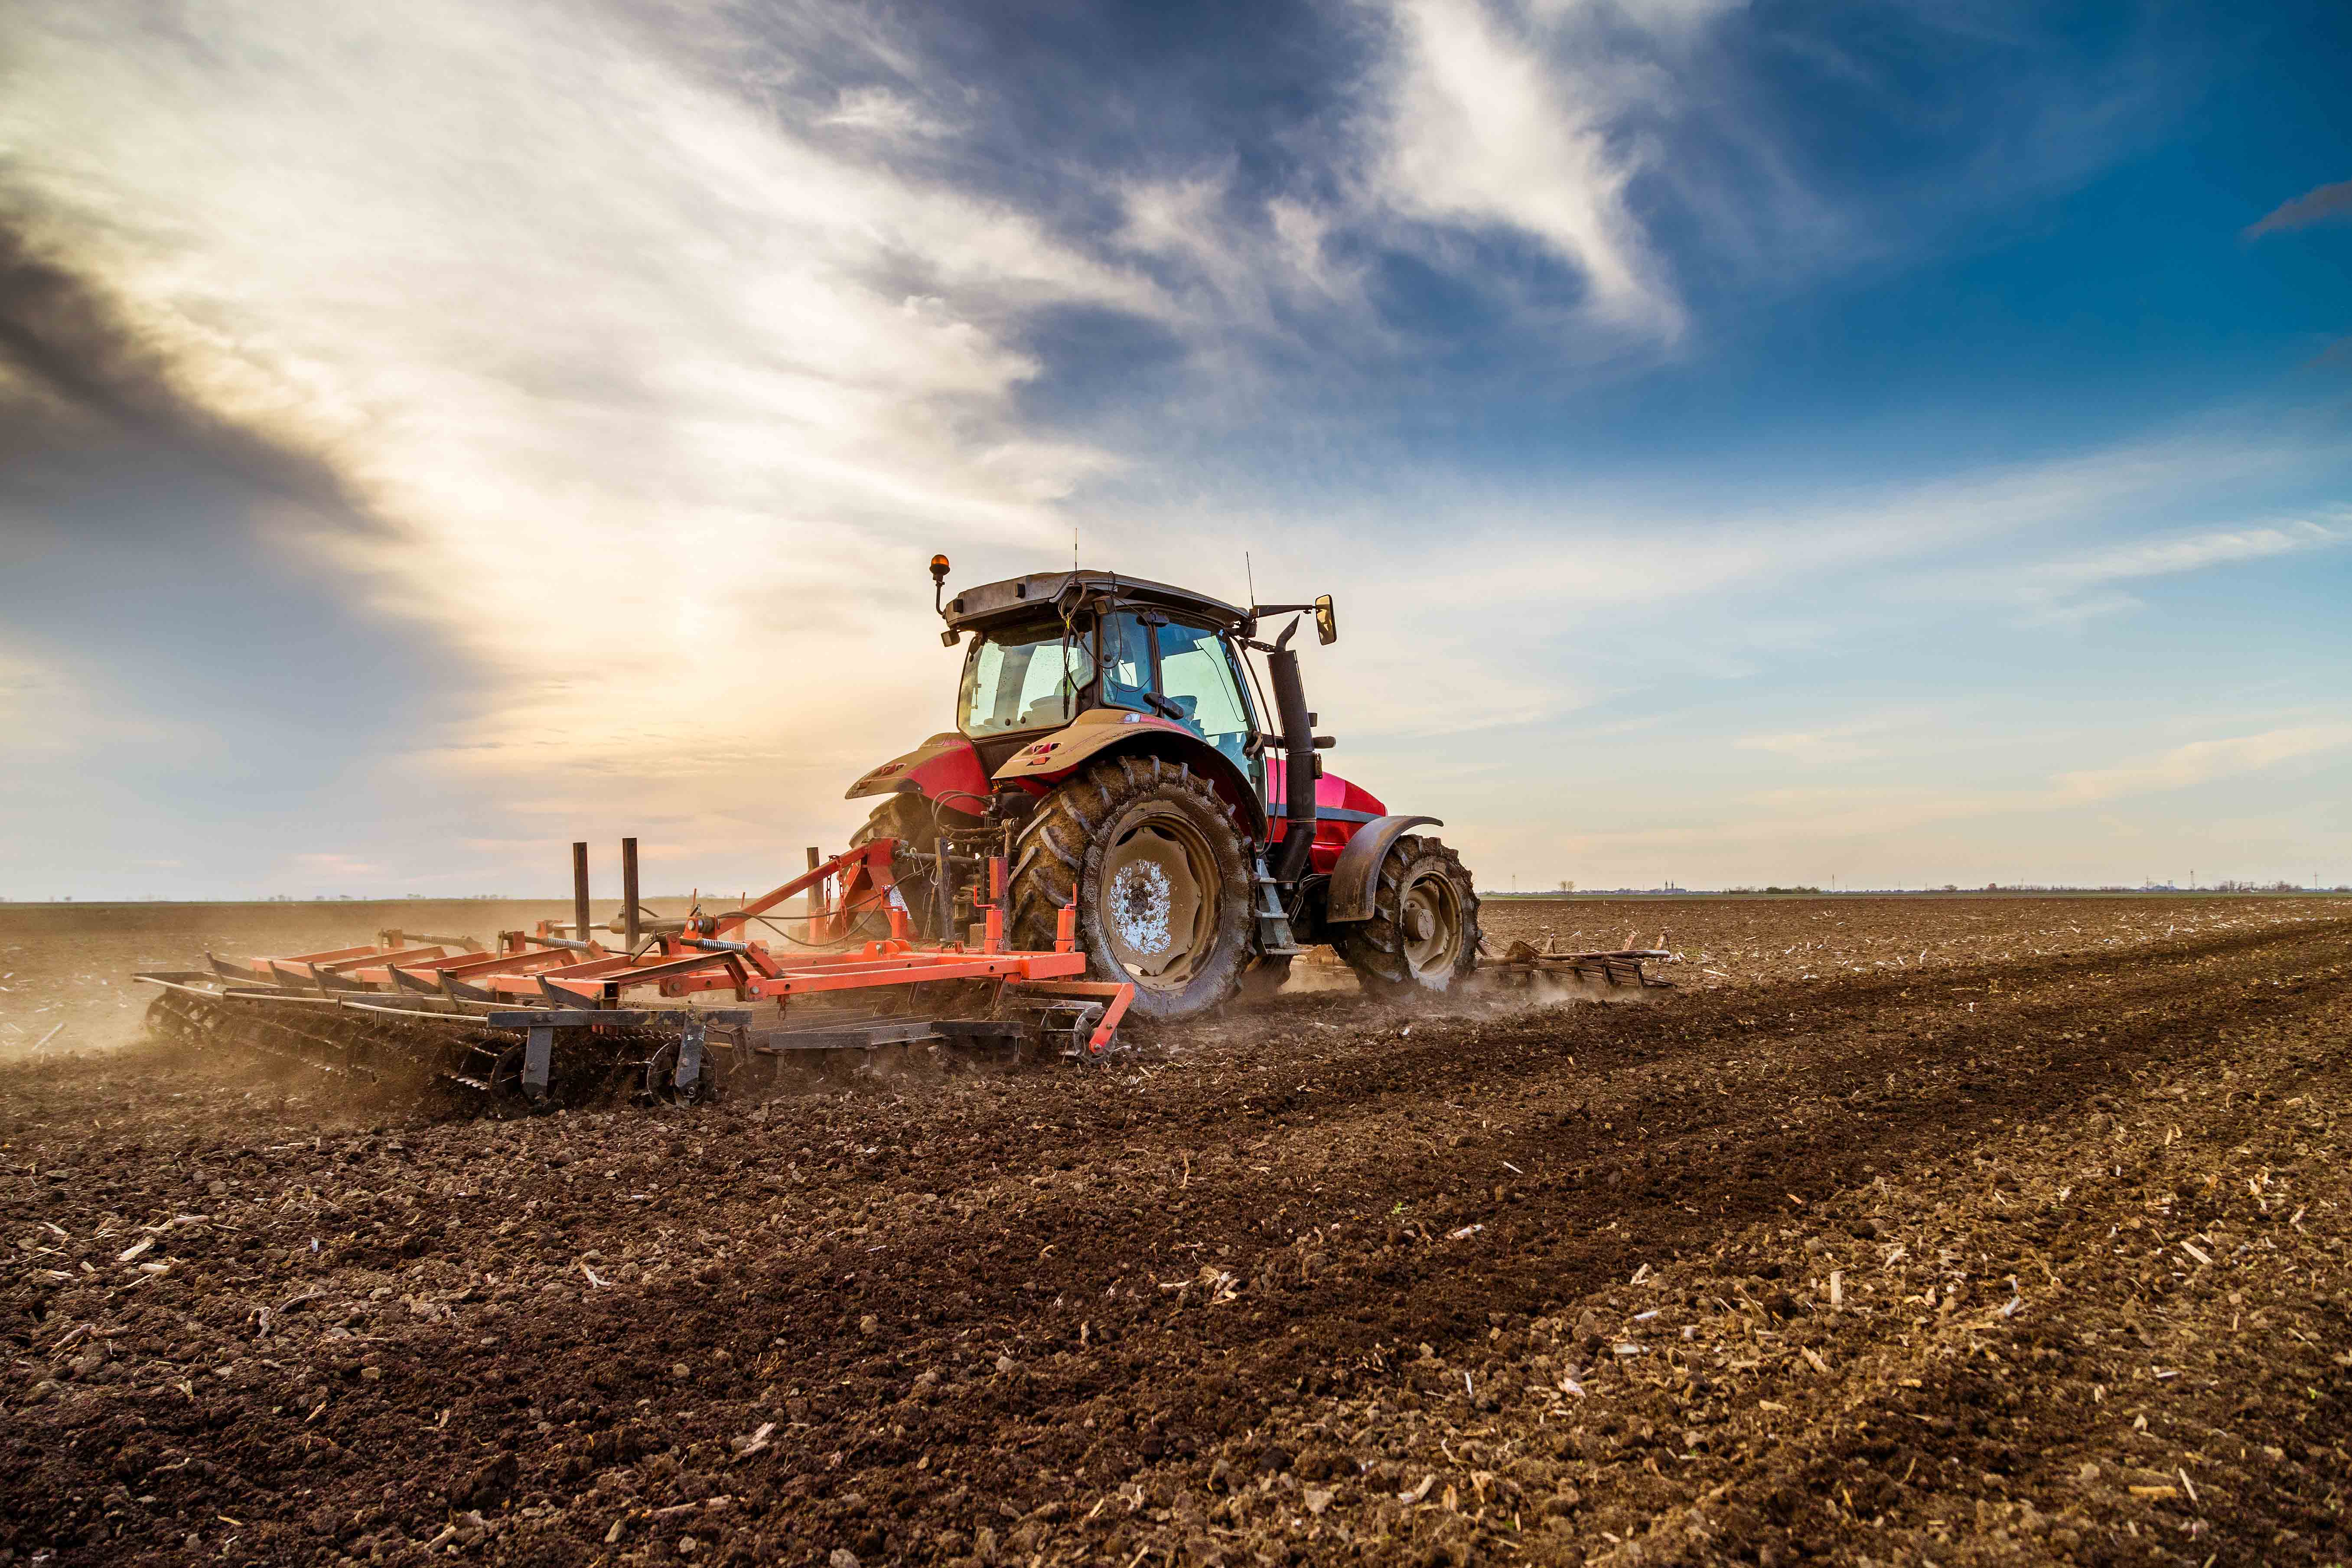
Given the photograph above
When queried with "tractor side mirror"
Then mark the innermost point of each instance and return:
(1326, 624)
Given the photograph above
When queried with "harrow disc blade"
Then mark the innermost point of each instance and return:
(373, 1056)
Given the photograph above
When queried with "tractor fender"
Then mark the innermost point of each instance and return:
(1356, 878)
(1103, 732)
(945, 768)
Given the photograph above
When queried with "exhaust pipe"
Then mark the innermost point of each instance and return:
(1299, 763)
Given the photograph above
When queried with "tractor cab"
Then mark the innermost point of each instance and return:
(1048, 647)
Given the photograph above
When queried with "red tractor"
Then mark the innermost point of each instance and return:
(1113, 745)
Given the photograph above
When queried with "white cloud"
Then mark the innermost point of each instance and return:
(2075, 590)
(1635, 550)
(2201, 762)
(1511, 119)
(2168, 555)
(2081, 612)
(1475, 598)
(1245, 272)
(1478, 117)
(883, 112)
(1824, 819)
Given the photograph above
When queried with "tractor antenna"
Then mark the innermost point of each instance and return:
(1250, 576)
(1073, 547)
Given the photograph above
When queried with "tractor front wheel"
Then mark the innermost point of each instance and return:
(1159, 874)
(1423, 933)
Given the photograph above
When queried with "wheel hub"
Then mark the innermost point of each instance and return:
(1139, 901)
(1430, 917)
(1158, 896)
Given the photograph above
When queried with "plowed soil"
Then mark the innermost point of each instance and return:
(2034, 1252)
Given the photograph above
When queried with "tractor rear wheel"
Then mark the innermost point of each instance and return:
(1161, 875)
(1423, 933)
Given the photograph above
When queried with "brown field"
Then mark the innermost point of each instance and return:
(1906, 1231)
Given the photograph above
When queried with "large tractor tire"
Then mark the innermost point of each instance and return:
(1423, 933)
(1161, 875)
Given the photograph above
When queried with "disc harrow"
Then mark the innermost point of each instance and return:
(559, 1015)
(1523, 964)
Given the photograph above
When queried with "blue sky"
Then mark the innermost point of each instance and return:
(1748, 442)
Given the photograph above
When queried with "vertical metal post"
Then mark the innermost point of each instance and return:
(629, 890)
(813, 901)
(580, 892)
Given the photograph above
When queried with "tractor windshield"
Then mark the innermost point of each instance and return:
(1197, 673)
(1014, 679)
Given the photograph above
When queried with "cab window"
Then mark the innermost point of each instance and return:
(1196, 673)
(1018, 679)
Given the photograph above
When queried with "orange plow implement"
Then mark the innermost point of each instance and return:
(561, 1015)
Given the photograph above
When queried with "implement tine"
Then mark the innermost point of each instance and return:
(404, 981)
(458, 991)
(564, 997)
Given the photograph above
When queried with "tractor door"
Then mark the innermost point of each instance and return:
(1199, 688)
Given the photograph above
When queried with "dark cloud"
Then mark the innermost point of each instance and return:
(2328, 203)
(79, 360)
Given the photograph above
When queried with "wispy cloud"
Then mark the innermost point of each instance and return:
(1507, 613)
(1513, 117)
(883, 112)
(2117, 493)
(1825, 816)
(1251, 276)
(2078, 589)
(2201, 762)
(1636, 551)
(2326, 204)
(2190, 552)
